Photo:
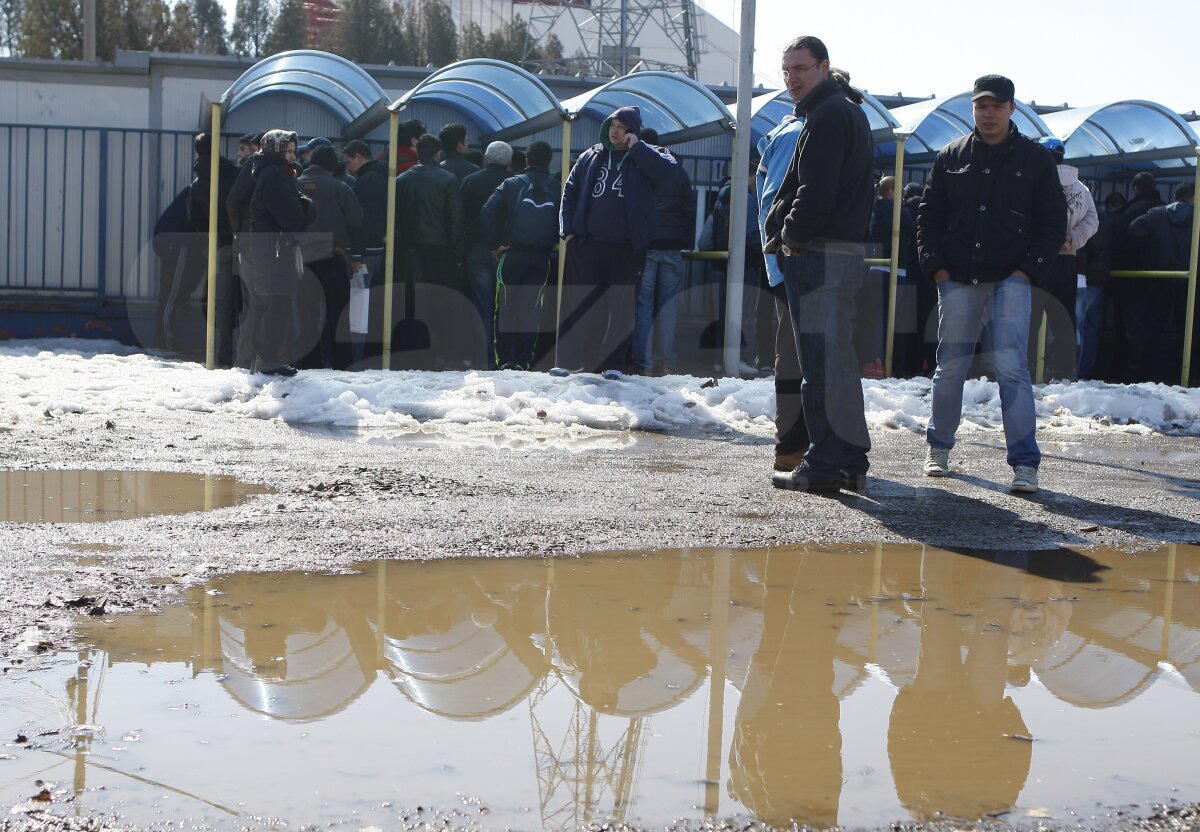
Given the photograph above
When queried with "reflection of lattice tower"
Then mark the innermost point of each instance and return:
(577, 776)
(609, 30)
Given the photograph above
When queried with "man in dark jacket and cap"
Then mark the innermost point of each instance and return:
(608, 218)
(454, 147)
(992, 220)
(477, 188)
(818, 222)
(198, 211)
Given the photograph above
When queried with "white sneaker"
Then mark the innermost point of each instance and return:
(937, 462)
(1024, 480)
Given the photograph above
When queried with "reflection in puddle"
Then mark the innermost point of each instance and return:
(501, 437)
(857, 686)
(96, 496)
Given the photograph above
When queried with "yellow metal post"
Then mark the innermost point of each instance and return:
(894, 277)
(562, 246)
(1190, 310)
(389, 239)
(1164, 653)
(1040, 368)
(214, 168)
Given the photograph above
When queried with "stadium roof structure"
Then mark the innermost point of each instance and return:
(504, 101)
(933, 124)
(769, 109)
(340, 86)
(676, 106)
(1130, 134)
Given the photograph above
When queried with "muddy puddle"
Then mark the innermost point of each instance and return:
(851, 685)
(97, 496)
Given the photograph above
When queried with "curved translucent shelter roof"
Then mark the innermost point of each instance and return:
(769, 109)
(1124, 131)
(504, 101)
(935, 123)
(339, 85)
(679, 108)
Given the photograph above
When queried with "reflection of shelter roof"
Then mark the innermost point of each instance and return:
(935, 123)
(679, 108)
(464, 673)
(1124, 131)
(504, 101)
(319, 675)
(769, 109)
(339, 85)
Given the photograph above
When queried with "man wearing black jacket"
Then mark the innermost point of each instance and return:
(991, 222)
(818, 225)
(198, 210)
(1142, 305)
(429, 209)
(477, 188)
(370, 188)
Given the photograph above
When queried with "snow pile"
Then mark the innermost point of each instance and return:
(91, 377)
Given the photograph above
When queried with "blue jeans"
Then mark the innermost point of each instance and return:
(820, 290)
(656, 310)
(481, 283)
(1000, 311)
(1089, 318)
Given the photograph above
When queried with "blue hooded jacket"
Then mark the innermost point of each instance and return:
(649, 168)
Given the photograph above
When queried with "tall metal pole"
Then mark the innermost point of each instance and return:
(214, 172)
(718, 649)
(1190, 311)
(894, 276)
(739, 193)
(89, 30)
(562, 246)
(389, 238)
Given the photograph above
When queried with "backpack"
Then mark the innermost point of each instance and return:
(533, 220)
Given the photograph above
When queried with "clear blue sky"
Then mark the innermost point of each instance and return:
(1081, 53)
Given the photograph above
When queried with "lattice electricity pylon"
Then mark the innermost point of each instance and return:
(576, 775)
(609, 30)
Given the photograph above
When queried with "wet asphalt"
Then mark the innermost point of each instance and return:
(337, 501)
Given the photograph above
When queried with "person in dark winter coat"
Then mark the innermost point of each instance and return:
(429, 227)
(454, 145)
(477, 188)
(198, 211)
(992, 220)
(1163, 238)
(521, 221)
(1089, 310)
(271, 258)
(656, 310)
(325, 246)
(182, 256)
(608, 218)
(818, 222)
(906, 356)
(366, 242)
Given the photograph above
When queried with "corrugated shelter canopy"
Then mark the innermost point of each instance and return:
(339, 85)
(1126, 132)
(679, 108)
(935, 123)
(504, 101)
(769, 109)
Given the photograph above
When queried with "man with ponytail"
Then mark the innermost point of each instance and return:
(816, 229)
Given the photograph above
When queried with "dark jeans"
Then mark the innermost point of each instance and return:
(791, 431)
(821, 286)
(267, 325)
(520, 296)
(481, 281)
(1153, 316)
(1055, 295)
(444, 306)
(332, 328)
(598, 304)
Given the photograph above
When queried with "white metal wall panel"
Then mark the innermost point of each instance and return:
(88, 105)
(183, 99)
(285, 112)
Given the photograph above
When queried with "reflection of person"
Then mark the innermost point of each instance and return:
(785, 757)
(613, 637)
(954, 738)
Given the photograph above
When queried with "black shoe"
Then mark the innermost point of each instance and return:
(286, 370)
(802, 479)
(852, 481)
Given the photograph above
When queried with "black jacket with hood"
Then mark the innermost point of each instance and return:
(198, 193)
(1164, 236)
(370, 186)
(989, 210)
(676, 207)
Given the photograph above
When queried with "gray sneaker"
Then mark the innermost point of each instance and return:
(937, 462)
(1024, 480)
